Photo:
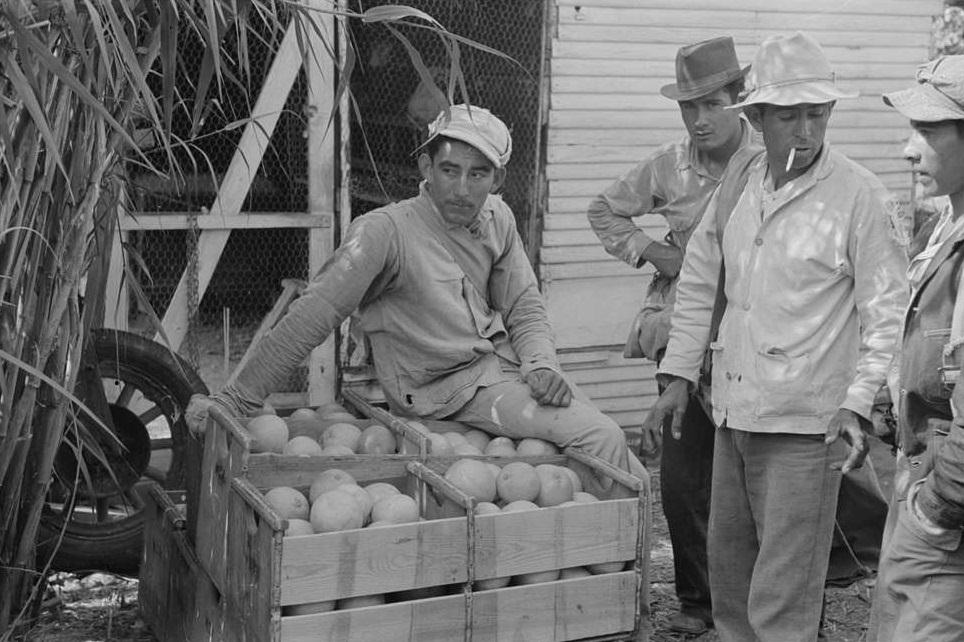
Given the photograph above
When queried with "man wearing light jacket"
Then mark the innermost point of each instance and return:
(813, 275)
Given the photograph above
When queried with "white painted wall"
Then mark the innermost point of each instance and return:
(609, 59)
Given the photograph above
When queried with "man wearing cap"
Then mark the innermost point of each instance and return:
(920, 583)
(676, 182)
(813, 278)
(445, 293)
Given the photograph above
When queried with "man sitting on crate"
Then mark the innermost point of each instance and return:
(447, 297)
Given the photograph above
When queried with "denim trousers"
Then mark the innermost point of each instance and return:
(771, 525)
(685, 475)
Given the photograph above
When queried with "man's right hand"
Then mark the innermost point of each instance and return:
(196, 415)
(673, 402)
(666, 258)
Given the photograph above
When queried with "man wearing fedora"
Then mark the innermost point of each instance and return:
(921, 580)
(813, 284)
(676, 182)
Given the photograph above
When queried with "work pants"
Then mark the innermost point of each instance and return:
(771, 526)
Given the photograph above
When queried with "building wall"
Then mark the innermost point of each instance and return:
(608, 60)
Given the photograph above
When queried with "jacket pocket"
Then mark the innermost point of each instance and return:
(785, 384)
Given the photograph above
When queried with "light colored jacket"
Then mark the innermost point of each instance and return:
(815, 289)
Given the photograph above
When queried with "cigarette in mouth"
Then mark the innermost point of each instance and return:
(793, 153)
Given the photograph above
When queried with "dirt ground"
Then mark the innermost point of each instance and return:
(103, 607)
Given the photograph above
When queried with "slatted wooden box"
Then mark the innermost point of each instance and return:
(262, 576)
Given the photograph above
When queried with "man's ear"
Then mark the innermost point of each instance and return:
(499, 179)
(425, 166)
(754, 114)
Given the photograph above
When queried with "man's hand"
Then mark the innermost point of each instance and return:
(196, 415)
(846, 424)
(549, 388)
(673, 401)
(666, 258)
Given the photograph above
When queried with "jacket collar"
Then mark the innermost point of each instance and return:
(947, 248)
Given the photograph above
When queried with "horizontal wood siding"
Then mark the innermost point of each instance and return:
(609, 59)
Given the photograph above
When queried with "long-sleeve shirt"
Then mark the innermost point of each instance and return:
(439, 328)
(672, 182)
(815, 288)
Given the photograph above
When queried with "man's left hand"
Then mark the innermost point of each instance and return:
(846, 424)
(549, 388)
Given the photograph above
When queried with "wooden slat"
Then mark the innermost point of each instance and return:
(269, 470)
(650, 85)
(644, 138)
(608, 119)
(144, 221)
(615, 100)
(869, 7)
(663, 67)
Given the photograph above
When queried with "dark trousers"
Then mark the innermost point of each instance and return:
(685, 475)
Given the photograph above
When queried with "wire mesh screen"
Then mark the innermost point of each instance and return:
(395, 109)
(247, 278)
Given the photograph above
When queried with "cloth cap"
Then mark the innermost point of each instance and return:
(791, 70)
(704, 67)
(938, 94)
(477, 127)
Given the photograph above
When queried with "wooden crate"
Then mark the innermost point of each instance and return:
(261, 575)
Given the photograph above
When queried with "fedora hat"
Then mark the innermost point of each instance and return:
(704, 67)
(790, 70)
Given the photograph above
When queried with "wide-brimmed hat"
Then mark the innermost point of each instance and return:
(704, 67)
(938, 94)
(790, 70)
(477, 127)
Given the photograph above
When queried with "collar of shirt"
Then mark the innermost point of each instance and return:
(773, 199)
(691, 159)
(476, 228)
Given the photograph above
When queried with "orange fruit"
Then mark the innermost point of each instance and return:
(364, 499)
(328, 480)
(265, 409)
(336, 417)
(298, 527)
(573, 572)
(336, 510)
(584, 498)
(536, 578)
(395, 509)
(500, 447)
(376, 439)
(302, 446)
(518, 480)
(605, 567)
(555, 487)
(269, 434)
(439, 445)
(531, 446)
(492, 583)
(308, 609)
(455, 438)
(380, 490)
(473, 478)
(341, 434)
(337, 450)
(484, 508)
(287, 502)
(519, 505)
(360, 602)
(478, 438)
(330, 408)
(466, 450)
(495, 469)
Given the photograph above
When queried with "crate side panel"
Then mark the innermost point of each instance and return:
(268, 471)
(439, 619)
(373, 560)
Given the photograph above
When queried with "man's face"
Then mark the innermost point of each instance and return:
(459, 178)
(937, 150)
(801, 127)
(710, 126)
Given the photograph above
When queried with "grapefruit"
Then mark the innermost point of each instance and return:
(518, 480)
(574, 477)
(298, 527)
(328, 480)
(287, 502)
(455, 438)
(395, 509)
(573, 572)
(495, 469)
(606, 567)
(376, 439)
(584, 498)
(531, 446)
(484, 508)
(439, 445)
(304, 422)
(555, 487)
(330, 408)
(269, 434)
(302, 446)
(341, 434)
(360, 602)
(478, 438)
(492, 583)
(536, 578)
(337, 450)
(339, 417)
(265, 409)
(380, 490)
(336, 510)
(364, 499)
(519, 505)
(308, 609)
(466, 450)
(500, 447)
(473, 478)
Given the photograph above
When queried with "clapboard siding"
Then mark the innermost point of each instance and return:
(609, 59)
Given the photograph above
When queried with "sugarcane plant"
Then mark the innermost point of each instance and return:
(79, 78)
